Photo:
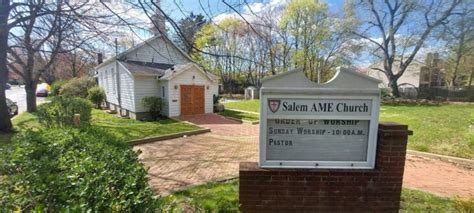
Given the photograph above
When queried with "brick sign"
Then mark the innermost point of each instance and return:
(309, 125)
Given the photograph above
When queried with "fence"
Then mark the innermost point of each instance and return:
(447, 93)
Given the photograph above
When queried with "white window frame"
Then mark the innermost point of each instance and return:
(114, 81)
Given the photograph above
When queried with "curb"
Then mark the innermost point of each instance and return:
(241, 120)
(461, 161)
(169, 136)
(244, 111)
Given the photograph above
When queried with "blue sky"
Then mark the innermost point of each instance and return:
(178, 8)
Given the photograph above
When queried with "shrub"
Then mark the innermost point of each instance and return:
(153, 106)
(78, 170)
(60, 111)
(410, 102)
(216, 99)
(56, 87)
(96, 95)
(78, 87)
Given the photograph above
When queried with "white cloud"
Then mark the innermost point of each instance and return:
(256, 11)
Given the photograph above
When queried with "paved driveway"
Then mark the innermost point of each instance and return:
(17, 94)
(216, 155)
(198, 159)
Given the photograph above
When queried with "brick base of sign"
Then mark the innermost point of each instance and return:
(329, 190)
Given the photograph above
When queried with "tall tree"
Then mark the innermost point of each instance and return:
(398, 29)
(43, 30)
(459, 36)
(189, 26)
(41, 35)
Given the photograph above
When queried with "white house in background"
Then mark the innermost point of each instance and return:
(411, 77)
(158, 68)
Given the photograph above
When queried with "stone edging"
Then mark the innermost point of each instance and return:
(245, 111)
(241, 120)
(461, 161)
(169, 136)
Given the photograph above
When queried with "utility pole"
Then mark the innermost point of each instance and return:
(117, 77)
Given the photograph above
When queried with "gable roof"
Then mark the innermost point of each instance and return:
(172, 73)
(144, 43)
(145, 68)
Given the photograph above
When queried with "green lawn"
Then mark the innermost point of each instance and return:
(223, 197)
(240, 115)
(127, 129)
(250, 105)
(446, 129)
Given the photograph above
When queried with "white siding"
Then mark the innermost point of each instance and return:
(411, 75)
(127, 94)
(186, 78)
(161, 52)
(145, 86)
(107, 82)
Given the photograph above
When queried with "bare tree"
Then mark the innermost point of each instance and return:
(44, 31)
(393, 20)
(459, 35)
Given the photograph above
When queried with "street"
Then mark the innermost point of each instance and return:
(17, 94)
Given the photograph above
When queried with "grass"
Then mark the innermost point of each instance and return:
(249, 105)
(129, 129)
(210, 197)
(223, 197)
(126, 129)
(240, 115)
(446, 129)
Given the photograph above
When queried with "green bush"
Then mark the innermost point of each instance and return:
(78, 87)
(56, 87)
(153, 106)
(60, 111)
(78, 170)
(216, 99)
(96, 95)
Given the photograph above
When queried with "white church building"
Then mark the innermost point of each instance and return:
(158, 68)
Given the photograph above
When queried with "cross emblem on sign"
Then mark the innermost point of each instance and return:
(274, 105)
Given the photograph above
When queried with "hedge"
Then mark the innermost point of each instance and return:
(61, 110)
(72, 170)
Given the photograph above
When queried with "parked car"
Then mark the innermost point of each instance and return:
(43, 90)
(13, 82)
(8, 86)
(12, 107)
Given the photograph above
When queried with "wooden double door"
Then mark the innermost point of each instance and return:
(192, 99)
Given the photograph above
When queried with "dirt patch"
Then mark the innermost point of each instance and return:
(439, 177)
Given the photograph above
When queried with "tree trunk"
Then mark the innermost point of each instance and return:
(30, 88)
(5, 123)
(470, 78)
(394, 86)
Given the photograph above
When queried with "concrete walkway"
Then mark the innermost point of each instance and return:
(182, 162)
